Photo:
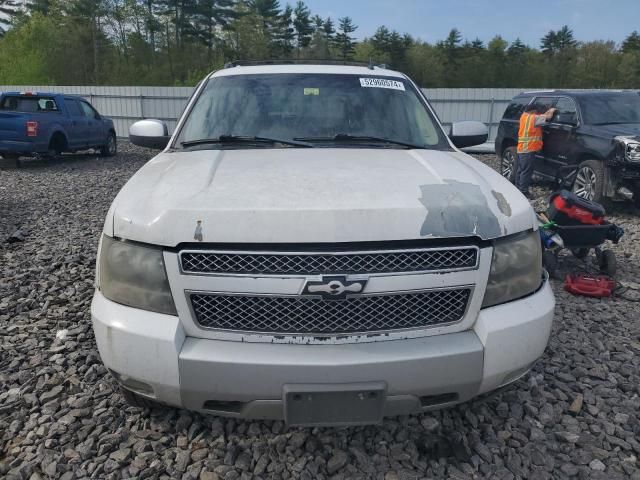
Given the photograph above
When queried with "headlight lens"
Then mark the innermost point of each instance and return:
(516, 269)
(134, 275)
(633, 152)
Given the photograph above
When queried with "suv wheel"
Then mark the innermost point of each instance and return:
(110, 148)
(508, 163)
(589, 182)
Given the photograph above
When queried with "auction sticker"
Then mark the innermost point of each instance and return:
(381, 83)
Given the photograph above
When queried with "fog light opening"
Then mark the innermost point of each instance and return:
(134, 385)
(433, 400)
(516, 374)
(223, 406)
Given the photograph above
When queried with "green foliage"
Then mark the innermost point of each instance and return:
(344, 42)
(177, 42)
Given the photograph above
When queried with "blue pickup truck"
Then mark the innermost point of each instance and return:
(48, 124)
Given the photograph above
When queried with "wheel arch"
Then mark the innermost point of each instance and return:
(59, 135)
(506, 143)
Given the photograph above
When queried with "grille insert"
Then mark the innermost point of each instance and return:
(329, 263)
(308, 315)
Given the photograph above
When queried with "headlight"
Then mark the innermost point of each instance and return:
(629, 148)
(516, 269)
(633, 152)
(134, 275)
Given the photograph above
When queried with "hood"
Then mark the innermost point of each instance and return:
(622, 129)
(319, 195)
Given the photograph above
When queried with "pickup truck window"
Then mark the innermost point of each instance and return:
(73, 107)
(88, 110)
(516, 107)
(610, 109)
(30, 104)
(313, 107)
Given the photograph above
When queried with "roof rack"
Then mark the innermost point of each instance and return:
(250, 63)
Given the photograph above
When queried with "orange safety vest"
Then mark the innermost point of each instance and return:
(529, 136)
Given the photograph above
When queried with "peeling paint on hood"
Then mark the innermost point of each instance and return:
(292, 195)
(457, 209)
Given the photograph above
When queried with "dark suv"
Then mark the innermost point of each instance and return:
(592, 143)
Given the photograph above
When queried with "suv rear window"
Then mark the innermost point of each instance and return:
(515, 108)
(29, 104)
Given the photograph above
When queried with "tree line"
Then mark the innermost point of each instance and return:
(176, 42)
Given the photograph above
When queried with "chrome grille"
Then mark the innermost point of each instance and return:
(329, 263)
(310, 315)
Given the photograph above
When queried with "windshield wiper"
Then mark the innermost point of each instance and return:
(243, 139)
(345, 137)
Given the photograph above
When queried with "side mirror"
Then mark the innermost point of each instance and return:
(150, 134)
(468, 134)
(566, 118)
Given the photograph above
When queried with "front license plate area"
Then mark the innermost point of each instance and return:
(322, 404)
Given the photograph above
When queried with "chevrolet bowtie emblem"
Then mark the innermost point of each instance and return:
(334, 288)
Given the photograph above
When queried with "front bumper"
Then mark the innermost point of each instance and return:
(248, 380)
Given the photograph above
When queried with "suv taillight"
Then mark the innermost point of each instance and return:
(32, 129)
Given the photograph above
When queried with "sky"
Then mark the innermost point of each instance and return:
(431, 20)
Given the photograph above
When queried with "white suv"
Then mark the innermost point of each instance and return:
(311, 246)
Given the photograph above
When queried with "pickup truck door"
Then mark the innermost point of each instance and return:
(560, 140)
(95, 127)
(78, 127)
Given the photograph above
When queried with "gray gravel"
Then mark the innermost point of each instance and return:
(574, 416)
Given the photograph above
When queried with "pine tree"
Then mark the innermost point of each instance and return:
(517, 48)
(556, 42)
(328, 29)
(207, 16)
(40, 6)
(631, 43)
(283, 34)
(345, 43)
(302, 26)
(8, 8)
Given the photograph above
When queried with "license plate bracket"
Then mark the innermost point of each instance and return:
(334, 404)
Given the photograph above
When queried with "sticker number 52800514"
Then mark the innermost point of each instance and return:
(381, 83)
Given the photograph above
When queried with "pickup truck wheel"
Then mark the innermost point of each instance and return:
(589, 182)
(110, 148)
(508, 163)
(136, 400)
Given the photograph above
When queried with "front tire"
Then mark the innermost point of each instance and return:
(110, 148)
(509, 163)
(589, 181)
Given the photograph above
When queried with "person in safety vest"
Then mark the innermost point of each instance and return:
(530, 142)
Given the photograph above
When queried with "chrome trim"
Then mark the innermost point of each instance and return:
(332, 253)
(188, 294)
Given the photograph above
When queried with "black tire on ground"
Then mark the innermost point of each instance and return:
(580, 252)
(589, 181)
(550, 262)
(110, 148)
(136, 400)
(57, 145)
(508, 163)
(608, 263)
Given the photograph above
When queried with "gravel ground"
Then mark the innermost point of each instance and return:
(575, 415)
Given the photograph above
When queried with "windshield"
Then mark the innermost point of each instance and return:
(317, 108)
(608, 109)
